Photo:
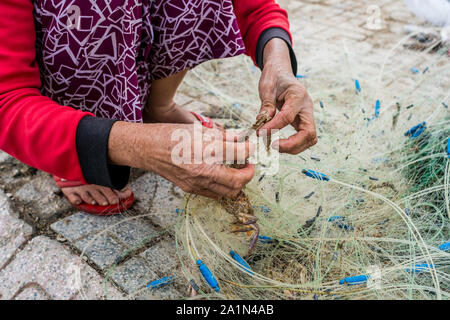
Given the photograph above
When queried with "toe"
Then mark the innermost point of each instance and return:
(87, 198)
(124, 193)
(99, 197)
(73, 199)
(109, 194)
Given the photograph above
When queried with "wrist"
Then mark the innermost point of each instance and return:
(276, 55)
(123, 144)
(138, 145)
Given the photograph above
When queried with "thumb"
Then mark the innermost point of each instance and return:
(267, 94)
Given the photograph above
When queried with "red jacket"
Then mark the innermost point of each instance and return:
(41, 133)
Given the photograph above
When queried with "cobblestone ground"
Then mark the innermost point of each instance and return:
(50, 251)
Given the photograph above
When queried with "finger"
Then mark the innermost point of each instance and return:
(208, 194)
(283, 118)
(268, 95)
(296, 143)
(267, 107)
(234, 178)
(223, 191)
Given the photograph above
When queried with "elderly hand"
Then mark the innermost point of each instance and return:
(279, 89)
(190, 156)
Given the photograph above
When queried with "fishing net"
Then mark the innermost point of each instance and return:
(371, 220)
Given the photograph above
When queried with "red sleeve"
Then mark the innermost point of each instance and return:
(255, 16)
(33, 128)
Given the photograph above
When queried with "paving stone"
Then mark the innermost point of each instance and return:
(162, 257)
(144, 189)
(13, 231)
(133, 275)
(55, 269)
(135, 232)
(81, 224)
(4, 157)
(101, 249)
(163, 293)
(41, 195)
(167, 199)
(32, 293)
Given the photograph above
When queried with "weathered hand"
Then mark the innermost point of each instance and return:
(157, 148)
(279, 89)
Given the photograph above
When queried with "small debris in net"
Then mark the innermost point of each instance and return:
(262, 177)
(425, 70)
(315, 158)
(414, 70)
(319, 211)
(277, 197)
(345, 115)
(309, 195)
(445, 105)
(374, 179)
(321, 104)
(194, 285)
(60, 238)
(410, 106)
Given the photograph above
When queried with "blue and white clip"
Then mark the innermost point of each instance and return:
(448, 148)
(353, 281)
(242, 262)
(315, 175)
(265, 239)
(357, 86)
(208, 276)
(416, 131)
(419, 268)
(445, 247)
(160, 282)
(377, 108)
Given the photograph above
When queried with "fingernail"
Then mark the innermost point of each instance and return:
(93, 202)
(276, 145)
(262, 113)
(104, 204)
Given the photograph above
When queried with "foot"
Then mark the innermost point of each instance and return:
(95, 195)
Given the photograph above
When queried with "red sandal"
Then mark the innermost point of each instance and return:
(98, 210)
(205, 121)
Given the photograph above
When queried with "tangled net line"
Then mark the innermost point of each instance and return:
(382, 211)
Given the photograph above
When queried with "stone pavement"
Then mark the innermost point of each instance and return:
(50, 251)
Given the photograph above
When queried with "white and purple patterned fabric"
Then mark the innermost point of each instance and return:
(101, 55)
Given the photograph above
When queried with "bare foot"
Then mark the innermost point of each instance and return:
(95, 195)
